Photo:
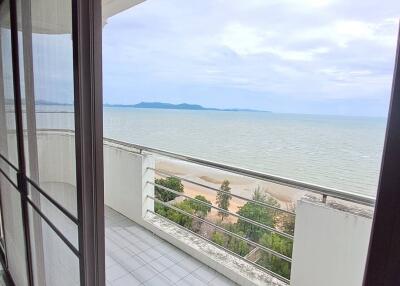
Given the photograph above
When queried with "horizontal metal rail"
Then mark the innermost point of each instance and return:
(163, 173)
(255, 244)
(54, 228)
(9, 163)
(287, 281)
(73, 218)
(9, 180)
(339, 194)
(250, 221)
(39, 189)
(330, 192)
(50, 112)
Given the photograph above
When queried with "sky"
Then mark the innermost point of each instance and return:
(291, 56)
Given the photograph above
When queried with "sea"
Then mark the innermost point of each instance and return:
(333, 151)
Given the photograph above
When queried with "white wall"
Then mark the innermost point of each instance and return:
(125, 182)
(330, 246)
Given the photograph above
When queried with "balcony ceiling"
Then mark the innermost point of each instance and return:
(54, 16)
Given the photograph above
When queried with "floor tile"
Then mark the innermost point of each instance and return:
(144, 273)
(127, 280)
(175, 273)
(115, 272)
(158, 280)
(135, 256)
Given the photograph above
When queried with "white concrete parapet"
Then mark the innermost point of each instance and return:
(126, 174)
(330, 245)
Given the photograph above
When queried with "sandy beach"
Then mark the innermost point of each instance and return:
(240, 185)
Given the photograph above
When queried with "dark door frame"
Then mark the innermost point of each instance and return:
(88, 104)
(383, 262)
(87, 46)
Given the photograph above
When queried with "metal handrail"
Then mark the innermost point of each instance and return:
(221, 191)
(255, 244)
(270, 272)
(9, 179)
(255, 223)
(9, 163)
(53, 227)
(61, 208)
(296, 184)
(339, 194)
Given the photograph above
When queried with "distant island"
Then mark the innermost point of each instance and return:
(182, 106)
(158, 105)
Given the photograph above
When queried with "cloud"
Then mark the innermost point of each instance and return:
(343, 32)
(248, 41)
(287, 49)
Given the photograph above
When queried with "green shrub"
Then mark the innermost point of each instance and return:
(171, 183)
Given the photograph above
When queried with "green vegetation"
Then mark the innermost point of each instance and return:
(219, 238)
(232, 243)
(281, 245)
(257, 213)
(223, 198)
(201, 210)
(254, 211)
(174, 215)
(171, 183)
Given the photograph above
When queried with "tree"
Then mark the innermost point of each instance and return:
(219, 238)
(238, 246)
(176, 216)
(171, 183)
(280, 244)
(258, 213)
(201, 210)
(223, 198)
(288, 220)
(230, 242)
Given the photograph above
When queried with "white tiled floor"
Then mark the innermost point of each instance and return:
(135, 256)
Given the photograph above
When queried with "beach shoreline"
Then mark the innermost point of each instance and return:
(240, 185)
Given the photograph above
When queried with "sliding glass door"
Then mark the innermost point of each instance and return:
(45, 139)
(47, 91)
(10, 163)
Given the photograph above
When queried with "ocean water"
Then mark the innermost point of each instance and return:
(333, 151)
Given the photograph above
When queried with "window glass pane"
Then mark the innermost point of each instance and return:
(46, 63)
(8, 147)
(14, 235)
(10, 197)
(53, 262)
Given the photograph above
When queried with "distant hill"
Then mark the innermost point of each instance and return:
(182, 106)
(46, 102)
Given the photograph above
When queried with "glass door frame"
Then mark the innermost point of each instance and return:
(88, 105)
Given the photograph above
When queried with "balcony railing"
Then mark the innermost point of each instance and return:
(255, 246)
(315, 189)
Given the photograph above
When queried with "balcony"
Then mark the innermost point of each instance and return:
(154, 241)
(135, 256)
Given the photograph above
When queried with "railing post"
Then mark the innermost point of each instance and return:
(148, 164)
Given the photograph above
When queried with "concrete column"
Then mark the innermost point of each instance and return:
(330, 245)
(125, 182)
